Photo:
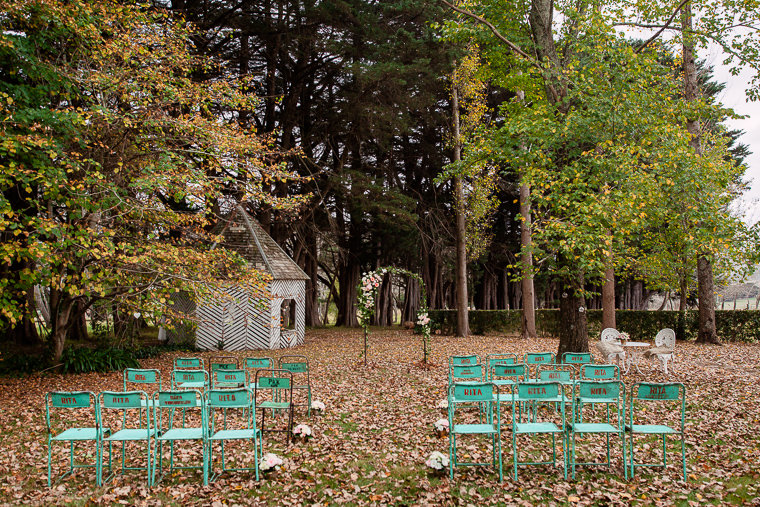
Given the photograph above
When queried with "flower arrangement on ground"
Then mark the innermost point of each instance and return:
(444, 404)
(423, 320)
(270, 461)
(317, 406)
(303, 431)
(437, 460)
(441, 427)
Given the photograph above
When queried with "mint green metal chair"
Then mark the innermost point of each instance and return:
(537, 358)
(535, 393)
(129, 427)
(661, 399)
(459, 373)
(141, 379)
(222, 363)
(189, 379)
(235, 408)
(229, 379)
(577, 358)
(299, 367)
(273, 392)
(194, 428)
(473, 395)
(73, 416)
(611, 395)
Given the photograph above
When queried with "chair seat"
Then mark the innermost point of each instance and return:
(594, 428)
(234, 435)
(537, 427)
(284, 405)
(131, 434)
(655, 429)
(77, 434)
(473, 429)
(182, 434)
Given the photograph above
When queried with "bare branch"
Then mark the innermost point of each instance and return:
(515, 49)
(666, 25)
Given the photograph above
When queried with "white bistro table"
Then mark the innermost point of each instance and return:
(634, 351)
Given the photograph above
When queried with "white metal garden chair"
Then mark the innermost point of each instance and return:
(664, 347)
(609, 345)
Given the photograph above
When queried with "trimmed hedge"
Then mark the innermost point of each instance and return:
(733, 325)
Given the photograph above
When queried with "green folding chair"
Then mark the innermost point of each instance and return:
(73, 416)
(194, 428)
(273, 391)
(577, 358)
(537, 358)
(299, 367)
(535, 393)
(228, 379)
(238, 423)
(189, 363)
(611, 395)
(140, 379)
(472, 395)
(660, 399)
(130, 428)
(565, 374)
(189, 379)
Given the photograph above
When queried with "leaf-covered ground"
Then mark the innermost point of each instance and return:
(371, 443)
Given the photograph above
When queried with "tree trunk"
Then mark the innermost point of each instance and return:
(348, 280)
(463, 328)
(707, 329)
(573, 331)
(608, 291)
(526, 265)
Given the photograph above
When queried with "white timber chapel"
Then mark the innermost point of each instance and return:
(245, 322)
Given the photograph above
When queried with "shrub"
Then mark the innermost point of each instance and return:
(83, 360)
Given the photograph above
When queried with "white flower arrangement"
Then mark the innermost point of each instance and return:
(441, 425)
(443, 404)
(303, 431)
(437, 460)
(270, 461)
(624, 337)
(318, 406)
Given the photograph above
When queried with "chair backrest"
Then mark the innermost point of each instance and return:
(189, 363)
(610, 334)
(600, 391)
(258, 362)
(537, 391)
(125, 402)
(503, 358)
(513, 372)
(294, 364)
(472, 393)
(556, 373)
(222, 363)
(665, 338)
(600, 372)
(577, 358)
(191, 402)
(229, 398)
(666, 395)
(143, 377)
(227, 378)
(189, 398)
(538, 358)
(80, 400)
(652, 391)
(466, 372)
(470, 360)
(180, 377)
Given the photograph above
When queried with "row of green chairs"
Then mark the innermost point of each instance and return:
(217, 416)
(614, 422)
(296, 364)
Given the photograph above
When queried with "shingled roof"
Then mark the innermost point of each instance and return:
(243, 234)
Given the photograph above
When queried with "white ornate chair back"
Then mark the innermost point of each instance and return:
(611, 334)
(665, 338)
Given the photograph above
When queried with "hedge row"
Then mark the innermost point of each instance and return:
(733, 325)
